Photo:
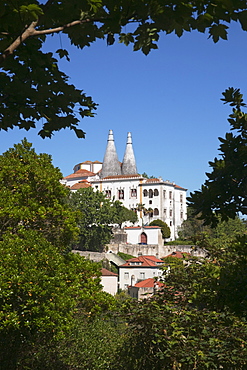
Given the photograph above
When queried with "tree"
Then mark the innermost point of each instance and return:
(193, 229)
(97, 215)
(123, 214)
(41, 291)
(200, 312)
(32, 197)
(33, 87)
(224, 193)
(166, 232)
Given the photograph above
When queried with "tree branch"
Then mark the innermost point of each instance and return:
(31, 31)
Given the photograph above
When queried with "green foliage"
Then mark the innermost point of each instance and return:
(32, 196)
(223, 194)
(125, 256)
(194, 229)
(123, 214)
(97, 214)
(32, 86)
(40, 292)
(166, 232)
(200, 312)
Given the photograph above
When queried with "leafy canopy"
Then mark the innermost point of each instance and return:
(97, 215)
(33, 89)
(224, 193)
(32, 196)
(165, 230)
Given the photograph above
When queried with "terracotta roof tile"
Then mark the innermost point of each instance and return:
(80, 173)
(106, 272)
(179, 187)
(153, 180)
(177, 254)
(148, 283)
(81, 185)
(120, 177)
(145, 261)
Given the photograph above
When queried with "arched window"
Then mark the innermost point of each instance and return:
(150, 193)
(120, 194)
(156, 192)
(145, 193)
(144, 238)
(108, 193)
(156, 212)
(133, 193)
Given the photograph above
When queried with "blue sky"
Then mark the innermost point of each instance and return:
(169, 100)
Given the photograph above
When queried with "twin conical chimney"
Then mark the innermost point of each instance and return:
(129, 162)
(111, 165)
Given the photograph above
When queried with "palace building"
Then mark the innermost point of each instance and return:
(151, 198)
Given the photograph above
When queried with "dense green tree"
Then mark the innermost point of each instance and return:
(97, 215)
(32, 196)
(41, 290)
(193, 229)
(166, 232)
(224, 193)
(123, 214)
(200, 313)
(32, 86)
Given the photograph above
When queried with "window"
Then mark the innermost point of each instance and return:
(156, 212)
(133, 193)
(164, 211)
(120, 194)
(126, 275)
(181, 215)
(170, 223)
(150, 202)
(145, 193)
(164, 193)
(156, 192)
(126, 286)
(108, 193)
(142, 275)
(170, 212)
(150, 193)
(170, 194)
(181, 198)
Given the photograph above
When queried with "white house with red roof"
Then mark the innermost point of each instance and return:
(138, 269)
(109, 281)
(145, 288)
(152, 199)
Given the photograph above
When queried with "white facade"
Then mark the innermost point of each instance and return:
(137, 269)
(144, 235)
(109, 282)
(160, 199)
(152, 199)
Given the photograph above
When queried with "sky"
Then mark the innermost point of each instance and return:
(169, 101)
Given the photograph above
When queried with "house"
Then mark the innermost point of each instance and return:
(144, 235)
(151, 199)
(109, 281)
(145, 288)
(138, 269)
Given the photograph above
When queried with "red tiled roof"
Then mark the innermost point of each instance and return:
(146, 261)
(105, 272)
(120, 177)
(80, 173)
(142, 227)
(148, 283)
(177, 254)
(152, 180)
(81, 185)
(179, 187)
